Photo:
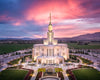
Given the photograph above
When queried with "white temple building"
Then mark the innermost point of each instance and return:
(50, 52)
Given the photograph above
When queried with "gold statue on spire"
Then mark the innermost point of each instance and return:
(50, 25)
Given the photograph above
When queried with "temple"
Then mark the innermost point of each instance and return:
(50, 52)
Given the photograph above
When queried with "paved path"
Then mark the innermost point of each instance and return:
(10, 58)
(94, 59)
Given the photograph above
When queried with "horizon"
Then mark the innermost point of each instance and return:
(46, 37)
(30, 19)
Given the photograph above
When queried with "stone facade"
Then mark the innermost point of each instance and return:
(50, 52)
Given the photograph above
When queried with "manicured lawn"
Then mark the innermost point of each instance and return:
(87, 74)
(13, 74)
(76, 46)
(72, 58)
(17, 60)
(86, 61)
(6, 48)
(14, 62)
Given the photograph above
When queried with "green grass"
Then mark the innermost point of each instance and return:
(13, 74)
(87, 74)
(76, 46)
(14, 62)
(72, 58)
(17, 60)
(86, 61)
(7, 48)
(15, 67)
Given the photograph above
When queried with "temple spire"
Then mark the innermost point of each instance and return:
(50, 20)
(50, 25)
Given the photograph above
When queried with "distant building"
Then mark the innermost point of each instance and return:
(50, 52)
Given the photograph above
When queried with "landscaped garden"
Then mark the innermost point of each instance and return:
(86, 61)
(17, 60)
(72, 58)
(40, 73)
(14, 67)
(13, 74)
(86, 74)
(14, 62)
(57, 72)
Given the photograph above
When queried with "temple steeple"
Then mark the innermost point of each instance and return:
(50, 25)
(50, 20)
(50, 35)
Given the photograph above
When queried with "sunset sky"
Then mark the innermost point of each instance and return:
(30, 18)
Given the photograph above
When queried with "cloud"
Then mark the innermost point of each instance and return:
(30, 18)
(60, 10)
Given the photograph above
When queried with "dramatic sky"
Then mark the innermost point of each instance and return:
(30, 18)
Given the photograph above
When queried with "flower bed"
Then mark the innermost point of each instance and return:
(60, 75)
(38, 75)
(29, 75)
(71, 75)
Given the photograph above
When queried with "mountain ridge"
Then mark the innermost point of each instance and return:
(92, 36)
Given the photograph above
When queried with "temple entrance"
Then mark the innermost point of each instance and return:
(50, 62)
(50, 72)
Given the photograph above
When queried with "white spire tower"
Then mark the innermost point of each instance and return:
(50, 25)
(50, 35)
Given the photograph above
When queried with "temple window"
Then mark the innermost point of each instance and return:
(42, 54)
(47, 52)
(36, 54)
(63, 53)
(37, 49)
(57, 49)
(42, 49)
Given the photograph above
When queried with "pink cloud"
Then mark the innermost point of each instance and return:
(17, 23)
(74, 32)
(37, 36)
(10, 20)
(60, 10)
(5, 18)
(63, 27)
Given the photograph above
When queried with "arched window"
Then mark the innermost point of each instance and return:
(36, 54)
(47, 52)
(53, 52)
(42, 49)
(63, 53)
(42, 54)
